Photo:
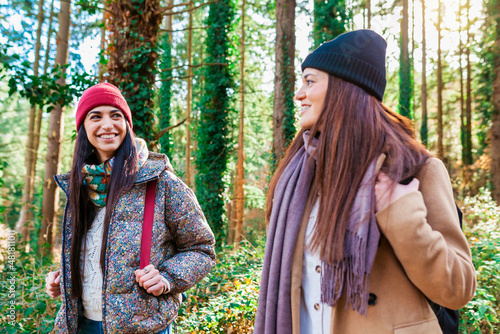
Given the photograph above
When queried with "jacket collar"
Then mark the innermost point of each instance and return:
(151, 170)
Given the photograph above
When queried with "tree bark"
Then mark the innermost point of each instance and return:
(405, 88)
(284, 80)
(239, 194)
(369, 18)
(189, 96)
(424, 127)
(102, 68)
(495, 126)
(463, 133)
(133, 29)
(25, 223)
(468, 106)
(440, 152)
(56, 125)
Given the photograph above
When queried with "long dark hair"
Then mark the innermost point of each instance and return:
(83, 211)
(355, 129)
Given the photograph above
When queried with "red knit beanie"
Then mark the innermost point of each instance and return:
(103, 94)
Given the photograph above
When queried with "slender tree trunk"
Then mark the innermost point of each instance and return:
(25, 223)
(463, 133)
(284, 80)
(405, 85)
(495, 126)
(468, 106)
(239, 194)
(102, 68)
(56, 125)
(189, 96)
(369, 17)
(166, 84)
(424, 127)
(39, 118)
(440, 152)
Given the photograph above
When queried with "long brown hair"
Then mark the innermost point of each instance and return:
(355, 129)
(123, 176)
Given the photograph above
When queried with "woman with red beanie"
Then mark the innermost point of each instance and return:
(363, 233)
(102, 287)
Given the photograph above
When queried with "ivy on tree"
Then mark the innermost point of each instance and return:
(213, 129)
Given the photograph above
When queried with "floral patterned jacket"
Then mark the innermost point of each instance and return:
(182, 249)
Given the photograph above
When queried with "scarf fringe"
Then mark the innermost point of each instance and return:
(347, 277)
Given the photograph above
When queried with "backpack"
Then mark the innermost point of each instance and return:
(448, 319)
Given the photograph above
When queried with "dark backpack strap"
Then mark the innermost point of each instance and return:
(147, 224)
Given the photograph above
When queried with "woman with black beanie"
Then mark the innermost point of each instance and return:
(362, 222)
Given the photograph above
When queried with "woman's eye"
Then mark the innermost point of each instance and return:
(117, 115)
(94, 117)
(309, 82)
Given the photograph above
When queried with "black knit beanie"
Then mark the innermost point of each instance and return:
(357, 56)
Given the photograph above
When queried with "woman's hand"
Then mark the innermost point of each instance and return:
(150, 279)
(52, 284)
(387, 191)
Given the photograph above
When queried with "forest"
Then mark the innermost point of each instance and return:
(211, 84)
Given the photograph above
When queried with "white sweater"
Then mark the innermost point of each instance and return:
(92, 276)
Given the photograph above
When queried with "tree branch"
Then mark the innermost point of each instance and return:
(185, 29)
(167, 129)
(192, 66)
(162, 11)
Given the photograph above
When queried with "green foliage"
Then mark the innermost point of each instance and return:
(424, 130)
(226, 300)
(2, 182)
(331, 18)
(213, 127)
(289, 129)
(43, 90)
(482, 314)
(25, 308)
(165, 92)
(405, 107)
(483, 89)
(137, 87)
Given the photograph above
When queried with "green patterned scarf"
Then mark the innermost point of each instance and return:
(97, 177)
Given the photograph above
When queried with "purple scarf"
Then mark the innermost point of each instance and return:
(350, 275)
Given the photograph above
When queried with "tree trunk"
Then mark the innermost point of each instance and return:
(284, 80)
(468, 106)
(239, 193)
(495, 126)
(25, 223)
(189, 96)
(213, 125)
(166, 84)
(56, 125)
(405, 85)
(369, 17)
(440, 152)
(424, 127)
(463, 133)
(102, 68)
(134, 27)
(330, 19)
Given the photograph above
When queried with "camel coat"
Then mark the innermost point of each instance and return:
(422, 252)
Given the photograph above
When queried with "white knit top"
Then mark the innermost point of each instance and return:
(92, 276)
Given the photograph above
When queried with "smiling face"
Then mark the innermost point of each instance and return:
(106, 129)
(311, 96)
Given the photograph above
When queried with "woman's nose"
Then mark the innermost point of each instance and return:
(300, 95)
(106, 123)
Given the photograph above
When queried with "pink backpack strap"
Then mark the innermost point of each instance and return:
(147, 224)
